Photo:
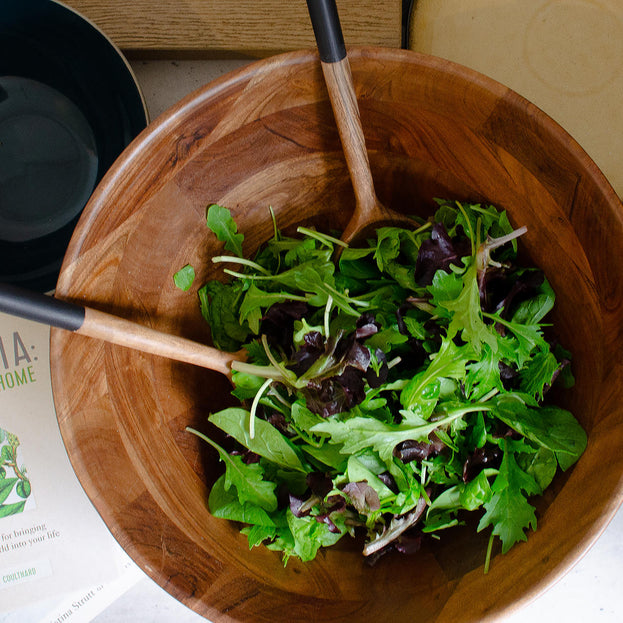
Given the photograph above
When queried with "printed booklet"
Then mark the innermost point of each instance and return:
(54, 547)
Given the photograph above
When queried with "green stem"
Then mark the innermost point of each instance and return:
(240, 260)
(254, 369)
(254, 404)
(325, 239)
(488, 556)
(469, 227)
(327, 315)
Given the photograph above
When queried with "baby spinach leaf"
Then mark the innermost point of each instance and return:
(541, 465)
(184, 277)
(475, 493)
(223, 502)
(533, 310)
(267, 442)
(246, 385)
(219, 306)
(551, 427)
(328, 454)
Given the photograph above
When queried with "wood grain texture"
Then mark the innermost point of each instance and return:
(109, 328)
(369, 212)
(265, 136)
(246, 27)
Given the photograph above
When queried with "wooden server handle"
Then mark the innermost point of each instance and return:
(369, 211)
(338, 79)
(110, 328)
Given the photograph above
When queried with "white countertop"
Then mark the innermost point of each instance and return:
(591, 591)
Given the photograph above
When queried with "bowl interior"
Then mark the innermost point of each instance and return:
(265, 136)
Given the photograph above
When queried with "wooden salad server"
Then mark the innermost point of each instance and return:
(87, 321)
(369, 211)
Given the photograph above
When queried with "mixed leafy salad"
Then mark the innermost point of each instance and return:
(390, 388)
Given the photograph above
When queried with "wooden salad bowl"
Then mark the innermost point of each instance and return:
(265, 136)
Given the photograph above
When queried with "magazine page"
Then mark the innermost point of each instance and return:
(53, 543)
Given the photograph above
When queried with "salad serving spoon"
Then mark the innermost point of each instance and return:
(369, 212)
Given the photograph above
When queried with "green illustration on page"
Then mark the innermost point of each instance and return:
(14, 483)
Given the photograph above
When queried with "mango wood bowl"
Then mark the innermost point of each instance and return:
(265, 136)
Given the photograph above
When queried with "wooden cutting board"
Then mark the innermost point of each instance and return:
(244, 27)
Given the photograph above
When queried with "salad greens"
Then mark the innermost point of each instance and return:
(389, 392)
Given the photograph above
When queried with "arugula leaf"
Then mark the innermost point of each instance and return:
(220, 221)
(358, 433)
(538, 373)
(248, 479)
(420, 394)
(508, 511)
(255, 303)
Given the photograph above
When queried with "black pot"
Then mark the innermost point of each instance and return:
(69, 105)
